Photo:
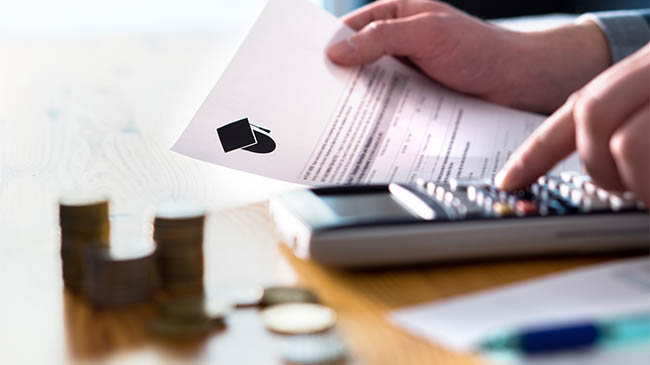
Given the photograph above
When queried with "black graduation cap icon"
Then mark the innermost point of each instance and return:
(242, 134)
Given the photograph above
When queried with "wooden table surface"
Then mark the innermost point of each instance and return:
(99, 112)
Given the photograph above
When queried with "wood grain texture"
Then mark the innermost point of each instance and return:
(99, 113)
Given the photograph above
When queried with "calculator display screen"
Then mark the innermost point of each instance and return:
(366, 206)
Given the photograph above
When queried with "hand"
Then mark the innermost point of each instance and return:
(536, 71)
(608, 122)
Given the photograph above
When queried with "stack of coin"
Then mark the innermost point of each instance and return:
(178, 232)
(116, 277)
(274, 295)
(182, 317)
(84, 222)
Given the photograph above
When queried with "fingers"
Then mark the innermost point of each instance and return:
(603, 106)
(631, 151)
(401, 37)
(388, 9)
(550, 143)
(378, 10)
(595, 113)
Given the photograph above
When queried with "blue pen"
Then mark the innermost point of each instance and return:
(566, 336)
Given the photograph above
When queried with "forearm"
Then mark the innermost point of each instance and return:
(554, 63)
(626, 31)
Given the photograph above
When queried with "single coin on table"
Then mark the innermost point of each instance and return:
(193, 316)
(244, 296)
(176, 328)
(312, 349)
(298, 318)
(286, 294)
(194, 308)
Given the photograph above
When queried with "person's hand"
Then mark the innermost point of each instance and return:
(608, 122)
(536, 71)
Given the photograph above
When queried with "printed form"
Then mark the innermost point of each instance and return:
(283, 110)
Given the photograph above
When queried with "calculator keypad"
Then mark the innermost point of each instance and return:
(568, 193)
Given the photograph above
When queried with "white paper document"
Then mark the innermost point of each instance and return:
(283, 110)
(605, 290)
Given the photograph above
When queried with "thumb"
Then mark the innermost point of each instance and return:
(395, 36)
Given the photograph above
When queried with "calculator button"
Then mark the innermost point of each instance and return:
(430, 187)
(487, 203)
(502, 209)
(581, 200)
(589, 187)
(602, 194)
(565, 191)
(525, 207)
(472, 193)
(536, 189)
(622, 202)
(469, 208)
(591, 203)
(553, 183)
(462, 210)
(539, 191)
(480, 198)
(464, 184)
(568, 176)
(576, 196)
(440, 193)
(449, 197)
(579, 181)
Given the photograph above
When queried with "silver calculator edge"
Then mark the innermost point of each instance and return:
(377, 245)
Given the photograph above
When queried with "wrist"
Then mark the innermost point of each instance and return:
(556, 62)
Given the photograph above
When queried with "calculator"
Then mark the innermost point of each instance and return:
(369, 225)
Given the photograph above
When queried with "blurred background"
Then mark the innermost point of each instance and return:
(510, 8)
(148, 14)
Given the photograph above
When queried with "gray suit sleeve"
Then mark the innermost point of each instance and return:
(626, 30)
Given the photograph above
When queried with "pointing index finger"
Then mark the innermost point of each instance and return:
(551, 142)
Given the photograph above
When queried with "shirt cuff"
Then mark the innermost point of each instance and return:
(626, 30)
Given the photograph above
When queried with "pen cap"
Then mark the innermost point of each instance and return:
(558, 338)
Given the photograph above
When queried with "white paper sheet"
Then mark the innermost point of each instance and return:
(594, 292)
(318, 123)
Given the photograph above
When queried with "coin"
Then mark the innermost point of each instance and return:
(83, 218)
(79, 207)
(174, 210)
(286, 294)
(178, 232)
(194, 309)
(115, 278)
(299, 318)
(312, 349)
(171, 327)
(239, 296)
